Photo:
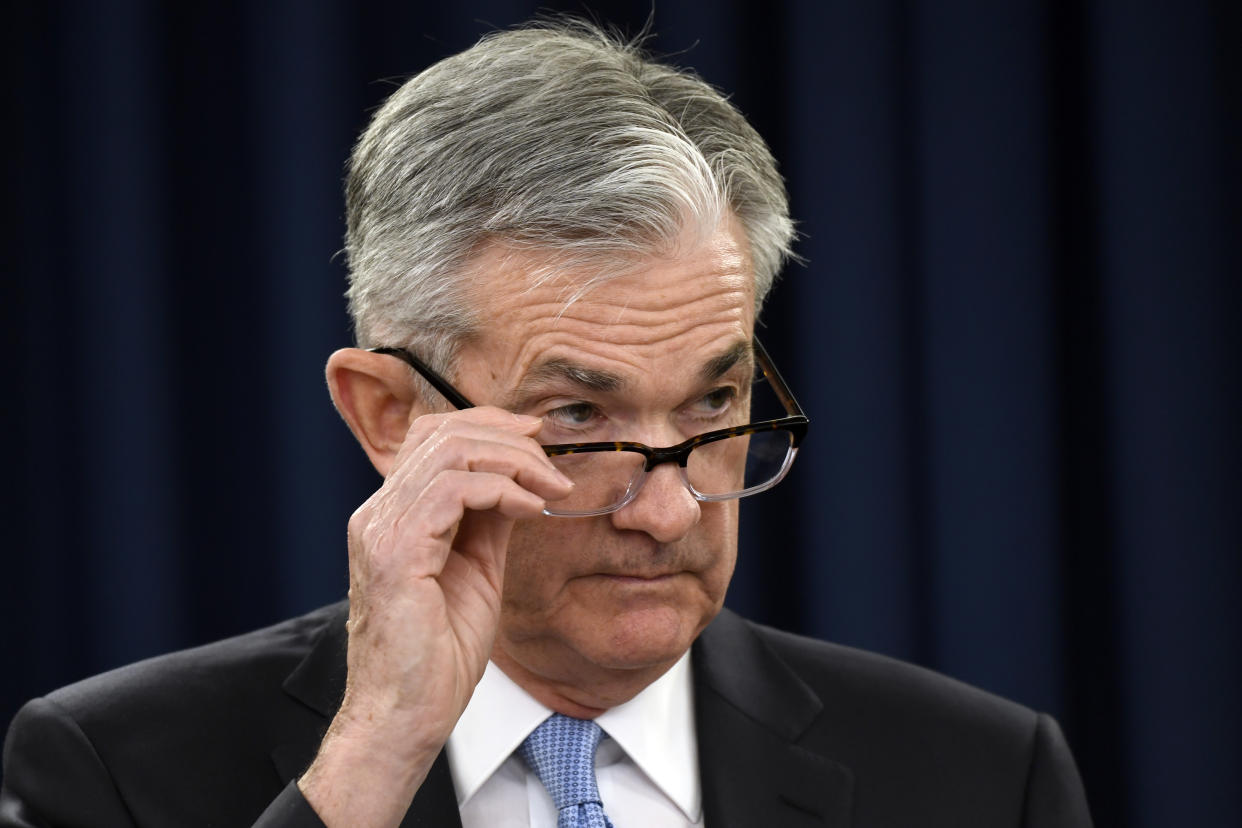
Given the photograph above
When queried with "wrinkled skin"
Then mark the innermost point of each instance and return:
(451, 560)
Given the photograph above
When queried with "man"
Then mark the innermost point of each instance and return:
(558, 249)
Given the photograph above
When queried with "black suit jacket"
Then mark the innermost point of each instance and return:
(792, 732)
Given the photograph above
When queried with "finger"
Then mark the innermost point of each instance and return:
(524, 462)
(440, 507)
(415, 535)
(469, 449)
(487, 417)
(448, 446)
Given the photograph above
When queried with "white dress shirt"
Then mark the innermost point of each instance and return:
(647, 765)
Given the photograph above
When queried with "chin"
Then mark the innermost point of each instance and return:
(636, 639)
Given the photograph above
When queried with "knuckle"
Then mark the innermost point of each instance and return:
(359, 520)
(421, 428)
(445, 485)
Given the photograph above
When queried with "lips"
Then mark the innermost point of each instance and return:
(638, 577)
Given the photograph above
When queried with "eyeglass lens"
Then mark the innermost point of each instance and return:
(722, 468)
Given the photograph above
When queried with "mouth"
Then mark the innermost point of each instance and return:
(638, 578)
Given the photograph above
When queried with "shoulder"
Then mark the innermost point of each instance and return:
(885, 686)
(918, 747)
(866, 686)
(882, 718)
(193, 737)
(210, 675)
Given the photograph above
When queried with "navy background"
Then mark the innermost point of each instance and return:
(1017, 336)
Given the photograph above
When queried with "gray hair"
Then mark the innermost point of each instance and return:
(558, 139)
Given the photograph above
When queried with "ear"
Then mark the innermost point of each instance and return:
(376, 398)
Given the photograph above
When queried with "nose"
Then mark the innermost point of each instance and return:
(663, 507)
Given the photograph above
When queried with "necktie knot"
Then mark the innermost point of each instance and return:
(561, 752)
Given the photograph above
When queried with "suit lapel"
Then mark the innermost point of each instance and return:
(750, 710)
(319, 683)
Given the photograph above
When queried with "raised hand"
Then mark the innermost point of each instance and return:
(426, 563)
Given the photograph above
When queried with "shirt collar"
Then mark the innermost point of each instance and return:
(498, 718)
(655, 729)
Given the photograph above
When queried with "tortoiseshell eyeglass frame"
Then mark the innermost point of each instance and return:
(795, 423)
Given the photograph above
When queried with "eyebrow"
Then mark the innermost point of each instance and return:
(589, 378)
(717, 367)
(556, 369)
(605, 382)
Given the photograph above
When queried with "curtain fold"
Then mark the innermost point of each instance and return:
(1016, 334)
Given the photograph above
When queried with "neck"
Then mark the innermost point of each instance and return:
(582, 695)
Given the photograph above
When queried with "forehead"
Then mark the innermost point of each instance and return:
(661, 314)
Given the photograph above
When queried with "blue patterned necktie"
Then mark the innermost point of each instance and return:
(561, 752)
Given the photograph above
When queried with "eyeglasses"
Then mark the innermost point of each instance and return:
(717, 465)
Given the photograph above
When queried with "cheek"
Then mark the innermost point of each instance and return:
(720, 527)
(538, 564)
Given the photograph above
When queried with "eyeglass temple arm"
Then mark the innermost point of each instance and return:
(424, 370)
(776, 380)
(459, 400)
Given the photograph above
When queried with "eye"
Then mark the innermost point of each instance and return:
(574, 415)
(715, 402)
(720, 398)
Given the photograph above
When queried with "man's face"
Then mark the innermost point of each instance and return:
(636, 358)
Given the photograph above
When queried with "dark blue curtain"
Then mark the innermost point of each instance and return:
(1017, 336)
